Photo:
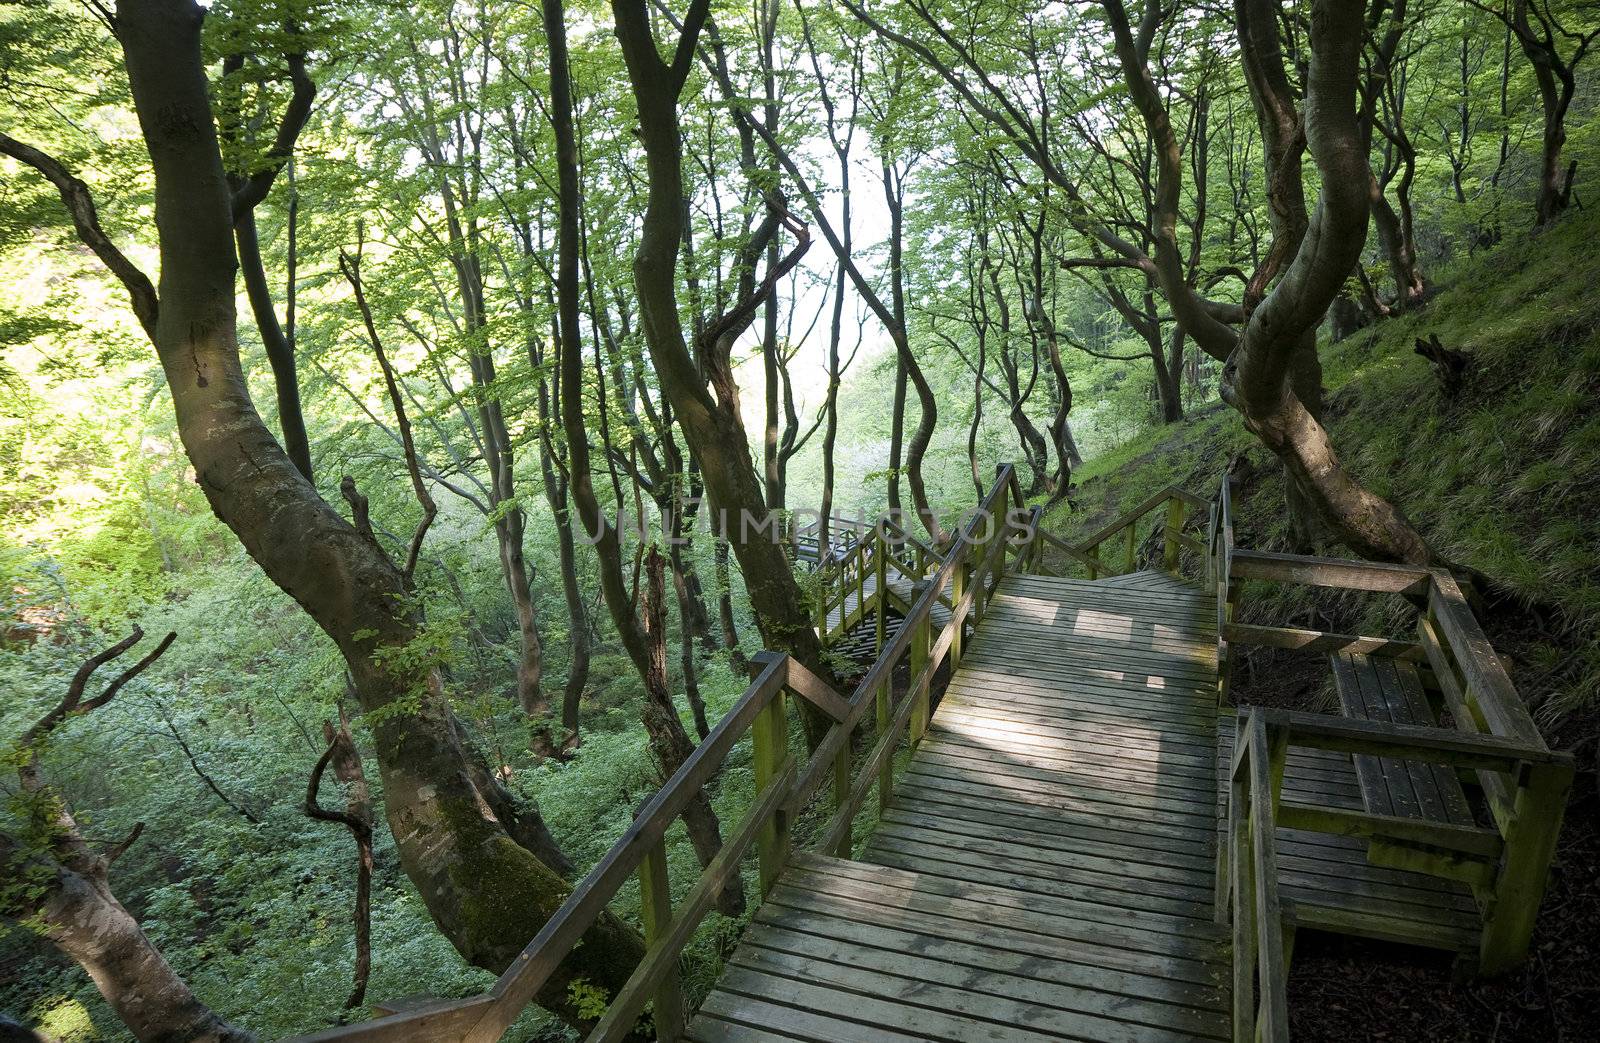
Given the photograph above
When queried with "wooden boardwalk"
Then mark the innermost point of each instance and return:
(1045, 870)
(1046, 864)
(1329, 883)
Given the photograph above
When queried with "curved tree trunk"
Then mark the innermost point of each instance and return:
(80, 916)
(1269, 370)
(456, 832)
(711, 426)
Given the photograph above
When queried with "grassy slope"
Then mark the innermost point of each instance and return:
(1506, 479)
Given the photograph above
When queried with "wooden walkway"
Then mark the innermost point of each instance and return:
(1046, 864)
(1329, 883)
(1045, 870)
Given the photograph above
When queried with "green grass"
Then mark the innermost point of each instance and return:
(1506, 479)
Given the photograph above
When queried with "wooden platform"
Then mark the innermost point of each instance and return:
(1327, 882)
(1045, 871)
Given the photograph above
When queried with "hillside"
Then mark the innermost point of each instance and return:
(1503, 479)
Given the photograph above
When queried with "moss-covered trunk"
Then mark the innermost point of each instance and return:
(460, 837)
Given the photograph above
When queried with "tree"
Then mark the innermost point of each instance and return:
(58, 880)
(456, 828)
(1543, 28)
(711, 425)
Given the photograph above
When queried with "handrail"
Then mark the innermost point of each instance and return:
(1260, 968)
(927, 656)
(1178, 502)
(783, 789)
(1524, 783)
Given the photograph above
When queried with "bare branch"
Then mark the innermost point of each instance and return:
(79, 202)
(350, 264)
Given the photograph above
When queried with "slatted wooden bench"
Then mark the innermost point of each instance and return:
(1389, 691)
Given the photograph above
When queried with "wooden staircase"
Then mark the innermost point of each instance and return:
(1044, 870)
(1077, 837)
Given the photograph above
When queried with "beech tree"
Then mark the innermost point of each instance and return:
(455, 825)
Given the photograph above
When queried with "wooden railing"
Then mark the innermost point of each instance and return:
(1094, 557)
(968, 571)
(1493, 740)
(842, 573)
(1260, 964)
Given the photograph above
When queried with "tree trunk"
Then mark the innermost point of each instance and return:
(1398, 248)
(712, 428)
(1268, 371)
(669, 743)
(280, 352)
(82, 918)
(555, 491)
(453, 825)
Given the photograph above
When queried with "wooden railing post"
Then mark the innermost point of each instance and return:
(880, 567)
(1175, 513)
(655, 910)
(919, 661)
(822, 602)
(861, 578)
(1133, 535)
(1242, 874)
(770, 738)
(1094, 561)
(884, 698)
(1530, 839)
(958, 586)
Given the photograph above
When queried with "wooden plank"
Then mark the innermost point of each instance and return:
(1330, 572)
(1045, 754)
(1142, 740)
(1320, 641)
(1273, 972)
(924, 1023)
(1440, 745)
(1494, 695)
(1191, 682)
(1187, 608)
(1117, 1008)
(1179, 865)
(1035, 746)
(1083, 702)
(1483, 842)
(1385, 787)
(927, 984)
(1113, 589)
(794, 1023)
(1111, 882)
(1061, 805)
(1062, 621)
(1165, 796)
(1004, 910)
(1178, 805)
(1082, 948)
(1084, 688)
(1069, 639)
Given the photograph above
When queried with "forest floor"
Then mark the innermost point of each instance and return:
(1503, 477)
